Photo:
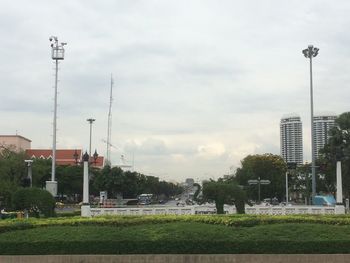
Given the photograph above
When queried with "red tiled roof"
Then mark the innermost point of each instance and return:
(99, 162)
(63, 156)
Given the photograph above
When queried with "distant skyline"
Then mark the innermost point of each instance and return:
(198, 84)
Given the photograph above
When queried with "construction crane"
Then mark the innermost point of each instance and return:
(123, 160)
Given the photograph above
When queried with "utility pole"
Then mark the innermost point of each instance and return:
(57, 53)
(91, 120)
(108, 143)
(311, 52)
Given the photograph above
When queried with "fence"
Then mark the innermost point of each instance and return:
(210, 209)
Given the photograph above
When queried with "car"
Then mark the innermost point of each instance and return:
(59, 204)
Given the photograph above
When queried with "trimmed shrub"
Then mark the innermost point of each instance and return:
(36, 201)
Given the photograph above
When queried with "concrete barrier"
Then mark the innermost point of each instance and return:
(256, 258)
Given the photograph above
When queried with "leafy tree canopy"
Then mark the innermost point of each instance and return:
(337, 148)
(266, 167)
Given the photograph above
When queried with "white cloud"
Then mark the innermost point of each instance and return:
(212, 150)
(198, 84)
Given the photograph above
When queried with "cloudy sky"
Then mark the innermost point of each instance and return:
(198, 84)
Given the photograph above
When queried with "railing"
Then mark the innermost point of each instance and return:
(210, 209)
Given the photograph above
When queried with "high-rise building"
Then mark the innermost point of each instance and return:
(291, 132)
(322, 124)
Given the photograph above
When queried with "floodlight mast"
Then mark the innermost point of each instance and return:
(109, 129)
(311, 52)
(57, 53)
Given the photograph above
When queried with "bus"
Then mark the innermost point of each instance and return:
(145, 199)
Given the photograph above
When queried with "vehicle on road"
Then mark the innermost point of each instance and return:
(145, 199)
(324, 200)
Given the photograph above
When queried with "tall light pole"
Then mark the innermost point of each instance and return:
(91, 120)
(57, 53)
(311, 52)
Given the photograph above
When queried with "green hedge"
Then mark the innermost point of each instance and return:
(226, 220)
(176, 235)
(175, 247)
(178, 238)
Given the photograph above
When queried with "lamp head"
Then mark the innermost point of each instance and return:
(306, 52)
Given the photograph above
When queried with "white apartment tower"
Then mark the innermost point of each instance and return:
(322, 124)
(291, 132)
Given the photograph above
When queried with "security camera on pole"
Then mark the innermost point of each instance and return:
(57, 54)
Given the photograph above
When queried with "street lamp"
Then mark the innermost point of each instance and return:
(57, 53)
(95, 156)
(290, 166)
(76, 157)
(311, 52)
(91, 120)
(29, 177)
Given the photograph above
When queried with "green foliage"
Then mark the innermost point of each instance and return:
(12, 166)
(70, 180)
(36, 201)
(41, 172)
(267, 167)
(7, 188)
(131, 184)
(224, 192)
(338, 148)
(177, 235)
(237, 220)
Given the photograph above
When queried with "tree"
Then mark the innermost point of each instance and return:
(110, 180)
(41, 172)
(36, 201)
(12, 166)
(7, 188)
(338, 148)
(131, 184)
(224, 192)
(70, 180)
(266, 167)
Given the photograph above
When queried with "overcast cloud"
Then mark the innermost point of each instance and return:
(198, 84)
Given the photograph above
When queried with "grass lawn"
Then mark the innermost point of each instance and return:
(178, 237)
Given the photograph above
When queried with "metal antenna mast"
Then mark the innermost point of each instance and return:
(108, 143)
(57, 53)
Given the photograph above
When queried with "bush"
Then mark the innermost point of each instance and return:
(225, 192)
(36, 201)
(175, 237)
(7, 188)
(225, 220)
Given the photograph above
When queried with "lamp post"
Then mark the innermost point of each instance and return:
(29, 177)
(76, 157)
(57, 53)
(311, 52)
(259, 182)
(290, 166)
(95, 156)
(91, 120)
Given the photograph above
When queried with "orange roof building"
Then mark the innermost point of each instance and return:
(64, 156)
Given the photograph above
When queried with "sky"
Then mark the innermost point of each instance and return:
(198, 85)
